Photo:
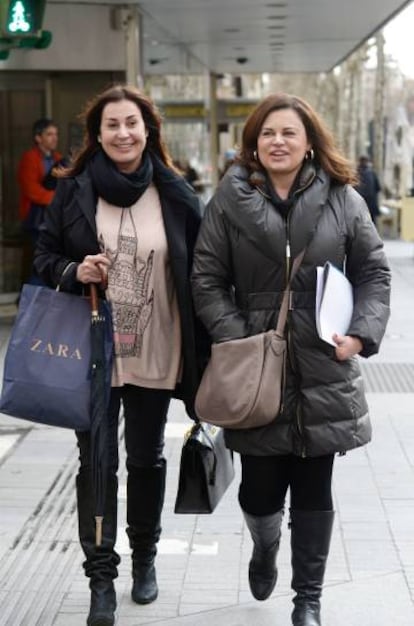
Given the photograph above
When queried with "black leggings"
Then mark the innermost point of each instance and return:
(145, 416)
(265, 481)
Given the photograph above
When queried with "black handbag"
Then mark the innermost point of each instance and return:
(206, 470)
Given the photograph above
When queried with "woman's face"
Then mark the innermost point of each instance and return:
(282, 144)
(123, 135)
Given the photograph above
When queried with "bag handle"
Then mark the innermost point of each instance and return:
(284, 307)
(67, 267)
(199, 426)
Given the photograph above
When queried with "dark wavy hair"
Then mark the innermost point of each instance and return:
(327, 155)
(39, 126)
(92, 117)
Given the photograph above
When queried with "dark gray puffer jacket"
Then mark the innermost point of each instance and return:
(239, 275)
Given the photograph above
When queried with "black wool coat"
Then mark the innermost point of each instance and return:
(69, 234)
(239, 274)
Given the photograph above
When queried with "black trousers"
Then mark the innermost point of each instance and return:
(266, 479)
(145, 415)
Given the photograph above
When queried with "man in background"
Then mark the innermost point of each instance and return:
(37, 188)
(368, 186)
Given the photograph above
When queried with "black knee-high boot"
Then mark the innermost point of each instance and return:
(101, 562)
(310, 541)
(145, 499)
(266, 532)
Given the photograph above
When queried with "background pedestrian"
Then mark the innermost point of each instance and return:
(368, 186)
(37, 187)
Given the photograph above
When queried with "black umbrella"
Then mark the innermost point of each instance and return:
(100, 391)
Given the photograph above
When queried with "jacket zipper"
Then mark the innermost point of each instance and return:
(287, 338)
(291, 357)
(300, 427)
(298, 413)
(287, 249)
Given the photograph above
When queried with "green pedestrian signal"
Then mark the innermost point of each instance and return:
(21, 18)
(21, 26)
(18, 21)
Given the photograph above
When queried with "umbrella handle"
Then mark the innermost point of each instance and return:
(93, 290)
(104, 276)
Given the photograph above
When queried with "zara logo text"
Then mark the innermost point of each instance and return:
(59, 349)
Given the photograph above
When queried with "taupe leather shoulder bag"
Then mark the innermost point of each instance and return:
(243, 383)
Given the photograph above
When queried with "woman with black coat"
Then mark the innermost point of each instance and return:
(122, 212)
(291, 189)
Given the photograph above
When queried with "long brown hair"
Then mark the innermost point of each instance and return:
(326, 153)
(92, 116)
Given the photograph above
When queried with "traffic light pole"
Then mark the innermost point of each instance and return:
(213, 124)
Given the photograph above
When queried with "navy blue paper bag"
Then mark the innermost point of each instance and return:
(47, 366)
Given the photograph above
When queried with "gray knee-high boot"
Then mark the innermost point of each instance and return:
(101, 564)
(310, 541)
(145, 499)
(266, 532)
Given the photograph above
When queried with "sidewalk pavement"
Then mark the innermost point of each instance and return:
(202, 562)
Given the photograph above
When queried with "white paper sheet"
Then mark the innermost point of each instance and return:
(334, 302)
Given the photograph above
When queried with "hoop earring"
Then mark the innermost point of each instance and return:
(255, 155)
(310, 155)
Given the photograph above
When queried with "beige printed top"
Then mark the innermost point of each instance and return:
(141, 290)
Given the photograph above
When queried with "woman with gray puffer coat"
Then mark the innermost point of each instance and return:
(290, 189)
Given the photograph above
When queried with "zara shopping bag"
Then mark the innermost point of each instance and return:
(47, 366)
(206, 470)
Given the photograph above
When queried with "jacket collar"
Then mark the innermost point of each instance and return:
(248, 207)
(86, 198)
(304, 179)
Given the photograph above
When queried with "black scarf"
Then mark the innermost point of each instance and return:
(283, 206)
(116, 187)
(302, 179)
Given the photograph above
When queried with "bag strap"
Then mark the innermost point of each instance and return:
(199, 426)
(284, 307)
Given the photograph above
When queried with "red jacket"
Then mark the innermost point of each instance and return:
(30, 175)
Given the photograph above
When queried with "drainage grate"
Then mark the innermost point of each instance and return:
(38, 570)
(388, 377)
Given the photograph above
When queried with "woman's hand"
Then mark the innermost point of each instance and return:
(346, 346)
(93, 269)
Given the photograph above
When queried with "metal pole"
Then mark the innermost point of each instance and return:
(49, 97)
(380, 85)
(214, 148)
(133, 48)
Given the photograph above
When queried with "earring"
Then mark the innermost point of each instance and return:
(255, 155)
(99, 139)
(310, 155)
